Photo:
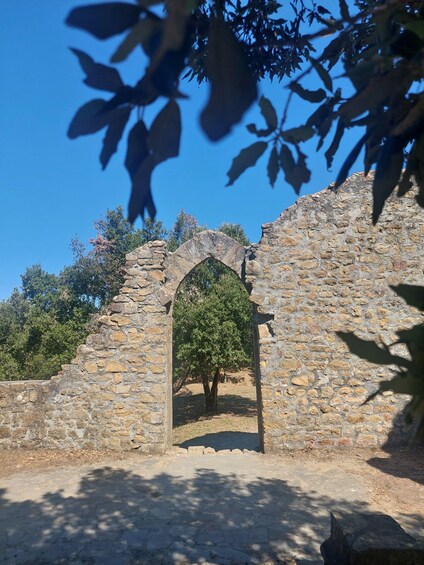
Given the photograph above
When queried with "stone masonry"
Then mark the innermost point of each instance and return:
(319, 268)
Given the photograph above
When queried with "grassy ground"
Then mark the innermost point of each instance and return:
(237, 414)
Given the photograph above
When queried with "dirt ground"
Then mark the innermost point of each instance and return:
(237, 412)
(395, 478)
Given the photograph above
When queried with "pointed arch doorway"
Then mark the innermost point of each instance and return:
(219, 249)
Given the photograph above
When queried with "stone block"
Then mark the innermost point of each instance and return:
(114, 367)
(369, 539)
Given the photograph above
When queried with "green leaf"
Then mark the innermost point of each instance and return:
(412, 294)
(245, 159)
(297, 135)
(273, 166)
(349, 161)
(98, 76)
(88, 119)
(388, 171)
(114, 132)
(233, 85)
(104, 20)
(323, 75)
(269, 113)
(165, 132)
(309, 95)
(370, 351)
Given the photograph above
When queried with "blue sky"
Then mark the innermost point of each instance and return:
(52, 188)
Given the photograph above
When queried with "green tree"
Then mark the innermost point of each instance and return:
(212, 329)
(41, 326)
(184, 228)
(234, 45)
(212, 319)
(235, 231)
(96, 275)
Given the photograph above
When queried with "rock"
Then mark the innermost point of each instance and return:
(195, 449)
(369, 539)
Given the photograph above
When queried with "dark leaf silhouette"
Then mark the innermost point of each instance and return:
(388, 171)
(104, 20)
(165, 133)
(141, 195)
(295, 173)
(233, 87)
(323, 75)
(296, 135)
(114, 133)
(99, 76)
(309, 95)
(245, 159)
(88, 119)
(269, 113)
(258, 132)
(273, 166)
(350, 159)
(137, 149)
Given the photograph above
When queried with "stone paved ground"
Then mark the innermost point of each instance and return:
(188, 508)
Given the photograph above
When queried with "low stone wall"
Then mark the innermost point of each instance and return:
(319, 268)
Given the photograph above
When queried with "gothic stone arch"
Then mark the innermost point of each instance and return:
(320, 267)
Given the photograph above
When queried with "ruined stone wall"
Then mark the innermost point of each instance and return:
(22, 413)
(319, 268)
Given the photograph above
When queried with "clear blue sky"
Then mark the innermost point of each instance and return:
(53, 188)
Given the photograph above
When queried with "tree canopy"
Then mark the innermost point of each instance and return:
(42, 324)
(376, 44)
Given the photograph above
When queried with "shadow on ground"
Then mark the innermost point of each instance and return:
(226, 440)
(407, 463)
(116, 516)
(188, 408)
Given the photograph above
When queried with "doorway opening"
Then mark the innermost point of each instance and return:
(215, 400)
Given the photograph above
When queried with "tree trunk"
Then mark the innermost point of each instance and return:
(211, 393)
(179, 385)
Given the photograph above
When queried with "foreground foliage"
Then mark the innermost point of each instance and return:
(234, 45)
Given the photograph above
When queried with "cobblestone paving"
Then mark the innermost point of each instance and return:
(186, 508)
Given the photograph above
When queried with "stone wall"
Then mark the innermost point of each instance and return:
(319, 268)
